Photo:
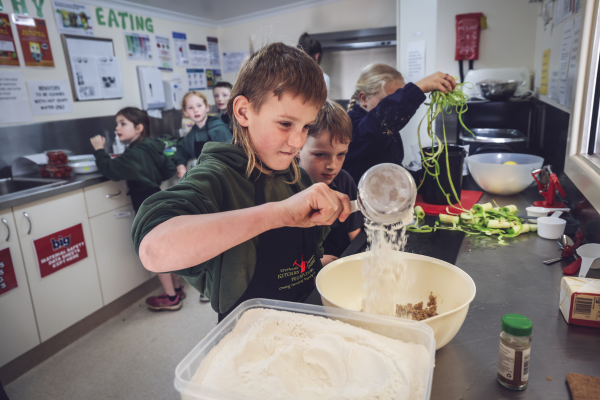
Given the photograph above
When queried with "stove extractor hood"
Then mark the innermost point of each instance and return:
(357, 39)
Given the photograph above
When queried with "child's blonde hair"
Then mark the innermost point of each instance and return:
(275, 69)
(333, 119)
(372, 79)
(193, 93)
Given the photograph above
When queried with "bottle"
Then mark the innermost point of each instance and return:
(515, 349)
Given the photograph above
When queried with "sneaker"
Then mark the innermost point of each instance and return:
(179, 291)
(162, 302)
(204, 299)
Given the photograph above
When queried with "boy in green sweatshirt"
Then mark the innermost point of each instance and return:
(245, 222)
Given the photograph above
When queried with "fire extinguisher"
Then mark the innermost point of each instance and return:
(468, 31)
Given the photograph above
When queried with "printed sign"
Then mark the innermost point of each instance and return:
(181, 49)
(35, 43)
(138, 46)
(164, 60)
(73, 19)
(8, 53)
(14, 102)
(8, 279)
(213, 52)
(232, 61)
(60, 249)
(213, 76)
(196, 79)
(198, 55)
(50, 97)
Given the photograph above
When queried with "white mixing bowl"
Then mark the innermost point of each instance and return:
(340, 285)
(494, 177)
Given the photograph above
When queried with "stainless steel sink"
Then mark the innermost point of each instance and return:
(15, 185)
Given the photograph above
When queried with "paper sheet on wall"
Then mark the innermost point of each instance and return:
(8, 52)
(181, 49)
(565, 52)
(573, 61)
(213, 52)
(86, 78)
(562, 10)
(198, 55)
(50, 97)
(233, 60)
(553, 85)
(545, 71)
(164, 60)
(138, 46)
(14, 102)
(415, 56)
(73, 19)
(196, 79)
(111, 78)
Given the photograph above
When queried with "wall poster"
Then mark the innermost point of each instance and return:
(73, 19)
(164, 60)
(14, 101)
(213, 52)
(181, 49)
(35, 43)
(196, 79)
(8, 52)
(213, 76)
(138, 46)
(198, 55)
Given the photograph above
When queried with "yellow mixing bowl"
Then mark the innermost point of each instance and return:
(340, 285)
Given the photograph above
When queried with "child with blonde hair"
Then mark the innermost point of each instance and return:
(379, 108)
(247, 222)
(206, 129)
(322, 157)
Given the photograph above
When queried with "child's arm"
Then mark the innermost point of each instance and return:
(352, 235)
(124, 167)
(185, 241)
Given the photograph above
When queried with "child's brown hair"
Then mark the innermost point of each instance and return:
(193, 93)
(137, 117)
(372, 79)
(275, 69)
(333, 119)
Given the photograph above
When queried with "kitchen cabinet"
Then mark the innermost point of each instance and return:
(119, 266)
(105, 197)
(69, 294)
(18, 329)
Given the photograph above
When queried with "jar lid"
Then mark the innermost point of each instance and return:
(517, 325)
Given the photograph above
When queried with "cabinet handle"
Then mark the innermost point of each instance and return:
(5, 222)
(108, 196)
(27, 216)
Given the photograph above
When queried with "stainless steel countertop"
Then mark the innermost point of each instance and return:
(512, 279)
(79, 181)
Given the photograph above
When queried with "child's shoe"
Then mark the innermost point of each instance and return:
(179, 291)
(162, 302)
(204, 299)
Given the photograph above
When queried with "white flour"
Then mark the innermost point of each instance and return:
(280, 355)
(385, 278)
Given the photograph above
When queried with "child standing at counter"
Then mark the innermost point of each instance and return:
(206, 129)
(382, 105)
(144, 166)
(247, 222)
(322, 157)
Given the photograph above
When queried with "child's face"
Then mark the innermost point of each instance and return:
(221, 95)
(278, 131)
(195, 109)
(322, 159)
(127, 131)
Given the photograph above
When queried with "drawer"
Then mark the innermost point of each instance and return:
(106, 197)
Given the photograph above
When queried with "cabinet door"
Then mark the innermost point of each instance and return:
(18, 330)
(105, 197)
(119, 266)
(71, 293)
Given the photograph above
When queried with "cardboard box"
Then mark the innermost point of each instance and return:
(580, 301)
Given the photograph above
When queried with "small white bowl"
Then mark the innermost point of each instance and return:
(536, 212)
(551, 228)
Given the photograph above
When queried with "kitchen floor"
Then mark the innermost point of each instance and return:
(132, 356)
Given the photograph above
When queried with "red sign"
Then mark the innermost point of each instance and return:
(35, 43)
(8, 53)
(8, 279)
(468, 30)
(59, 250)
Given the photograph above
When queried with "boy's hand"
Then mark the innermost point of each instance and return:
(438, 81)
(317, 205)
(181, 171)
(327, 258)
(98, 142)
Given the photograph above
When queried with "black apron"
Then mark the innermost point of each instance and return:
(198, 146)
(285, 261)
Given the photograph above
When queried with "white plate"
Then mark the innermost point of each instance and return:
(84, 167)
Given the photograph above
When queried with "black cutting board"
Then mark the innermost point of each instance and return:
(441, 244)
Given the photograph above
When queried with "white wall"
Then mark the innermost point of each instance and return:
(86, 109)
(344, 67)
(338, 16)
(509, 40)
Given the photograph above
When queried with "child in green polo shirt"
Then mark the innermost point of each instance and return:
(247, 222)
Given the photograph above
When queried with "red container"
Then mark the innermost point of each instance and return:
(56, 171)
(57, 157)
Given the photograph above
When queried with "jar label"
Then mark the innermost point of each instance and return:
(506, 366)
(525, 365)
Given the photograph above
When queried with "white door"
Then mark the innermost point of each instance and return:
(18, 330)
(119, 266)
(68, 294)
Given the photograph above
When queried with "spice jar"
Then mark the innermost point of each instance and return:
(515, 348)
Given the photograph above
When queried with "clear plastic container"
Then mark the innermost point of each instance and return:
(395, 328)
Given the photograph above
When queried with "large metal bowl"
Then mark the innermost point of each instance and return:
(498, 90)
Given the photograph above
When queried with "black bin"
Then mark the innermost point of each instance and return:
(430, 189)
